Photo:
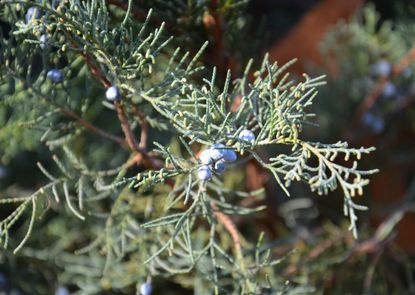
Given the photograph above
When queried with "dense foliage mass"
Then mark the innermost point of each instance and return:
(134, 141)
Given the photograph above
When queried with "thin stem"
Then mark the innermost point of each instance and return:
(144, 127)
(81, 120)
(147, 159)
(125, 126)
(91, 127)
(230, 227)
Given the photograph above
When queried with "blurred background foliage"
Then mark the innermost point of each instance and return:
(367, 51)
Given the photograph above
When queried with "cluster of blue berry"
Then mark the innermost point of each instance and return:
(383, 68)
(390, 93)
(214, 158)
(374, 122)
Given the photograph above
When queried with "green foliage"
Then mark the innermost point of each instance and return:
(157, 220)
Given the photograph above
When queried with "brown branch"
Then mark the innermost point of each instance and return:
(322, 247)
(130, 140)
(129, 136)
(82, 121)
(404, 62)
(91, 65)
(147, 160)
(374, 95)
(125, 126)
(95, 71)
(230, 227)
(314, 252)
(367, 283)
(91, 127)
(144, 127)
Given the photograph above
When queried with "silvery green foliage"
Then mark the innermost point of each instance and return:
(277, 114)
(184, 234)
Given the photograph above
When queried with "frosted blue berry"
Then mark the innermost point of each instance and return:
(225, 153)
(378, 126)
(212, 154)
(373, 122)
(220, 167)
(229, 156)
(389, 89)
(220, 148)
(205, 157)
(204, 173)
(62, 291)
(247, 135)
(145, 289)
(215, 153)
(32, 13)
(113, 93)
(55, 76)
(382, 68)
(42, 41)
